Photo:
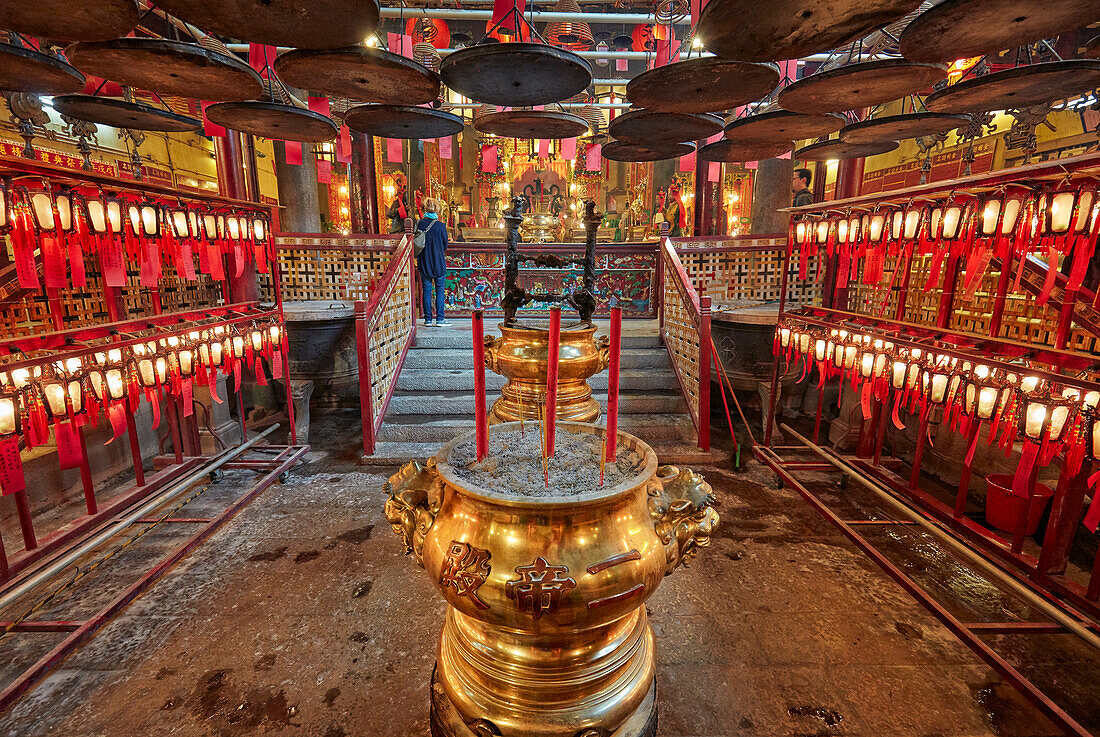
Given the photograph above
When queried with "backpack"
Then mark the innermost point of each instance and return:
(420, 238)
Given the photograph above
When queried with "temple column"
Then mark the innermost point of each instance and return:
(771, 191)
(301, 207)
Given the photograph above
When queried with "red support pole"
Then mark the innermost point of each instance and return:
(285, 351)
(1069, 499)
(553, 346)
(86, 474)
(770, 423)
(964, 477)
(918, 452)
(613, 383)
(26, 524)
(362, 350)
(135, 447)
(1003, 280)
(481, 417)
(174, 425)
(704, 374)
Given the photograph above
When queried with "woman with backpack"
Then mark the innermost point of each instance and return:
(430, 245)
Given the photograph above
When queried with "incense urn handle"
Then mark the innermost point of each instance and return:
(415, 496)
(604, 347)
(492, 360)
(681, 503)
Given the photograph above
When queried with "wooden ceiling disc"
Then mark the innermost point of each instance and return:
(702, 85)
(168, 68)
(835, 148)
(402, 121)
(532, 124)
(65, 20)
(735, 151)
(273, 120)
(307, 24)
(360, 73)
(644, 126)
(779, 126)
(751, 30)
(1036, 84)
(637, 152)
(122, 114)
(959, 29)
(865, 84)
(27, 70)
(900, 127)
(515, 74)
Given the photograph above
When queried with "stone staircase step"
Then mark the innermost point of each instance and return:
(436, 338)
(668, 453)
(630, 380)
(452, 402)
(455, 358)
(422, 429)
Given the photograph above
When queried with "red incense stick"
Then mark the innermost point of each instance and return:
(481, 418)
(553, 346)
(613, 383)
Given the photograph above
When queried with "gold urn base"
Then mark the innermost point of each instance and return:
(446, 721)
(520, 355)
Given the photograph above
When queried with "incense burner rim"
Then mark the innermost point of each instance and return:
(649, 470)
(518, 326)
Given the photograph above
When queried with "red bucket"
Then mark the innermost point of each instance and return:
(1003, 508)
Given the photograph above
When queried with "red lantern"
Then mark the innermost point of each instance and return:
(647, 36)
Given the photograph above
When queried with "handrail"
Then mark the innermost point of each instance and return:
(685, 331)
(385, 328)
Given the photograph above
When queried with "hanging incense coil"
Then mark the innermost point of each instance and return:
(122, 114)
(733, 151)
(307, 24)
(168, 68)
(902, 127)
(838, 149)
(959, 29)
(778, 126)
(360, 73)
(64, 21)
(28, 70)
(860, 85)
(751, 30)
(424, 53)
(593, 116)
(1036, 84)
(516, 74)
(641, 126)
(702, 85)
(574, 35)
(532, 124)
(639, 152)
(402, 121)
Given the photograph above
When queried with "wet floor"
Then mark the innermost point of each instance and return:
(303, 617)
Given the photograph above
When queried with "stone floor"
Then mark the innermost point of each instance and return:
(302, 617)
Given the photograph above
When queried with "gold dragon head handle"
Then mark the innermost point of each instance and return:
(681, 504)
(415, 496)
(603, 345)
(492, 353)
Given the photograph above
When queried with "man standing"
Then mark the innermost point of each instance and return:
(432, 262)
(800, 186)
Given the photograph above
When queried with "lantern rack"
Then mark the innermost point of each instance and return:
(957, 246)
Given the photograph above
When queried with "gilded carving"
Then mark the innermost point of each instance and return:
(540, 587)
(464, 569)
(416, 493)
(680, 503)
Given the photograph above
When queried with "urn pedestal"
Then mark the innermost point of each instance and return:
(546, 632)
(520, 355)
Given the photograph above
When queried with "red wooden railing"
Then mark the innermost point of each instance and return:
(385, 328)
(685, 331)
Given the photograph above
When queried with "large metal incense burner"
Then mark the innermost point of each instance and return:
(520, 353)
(546, 631)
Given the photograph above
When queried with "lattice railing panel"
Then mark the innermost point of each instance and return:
(681, 333)
(746, 270)
(329, 268)
(389, 329)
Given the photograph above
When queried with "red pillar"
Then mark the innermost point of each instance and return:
(700, 189)
(229, 154)
(362, 152)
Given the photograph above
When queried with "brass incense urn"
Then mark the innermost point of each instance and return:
(546, 632)
(520, 355)
(540, 227)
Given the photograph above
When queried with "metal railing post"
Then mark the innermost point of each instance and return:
(362, 350)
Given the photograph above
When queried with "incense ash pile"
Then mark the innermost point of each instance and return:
(514, 464)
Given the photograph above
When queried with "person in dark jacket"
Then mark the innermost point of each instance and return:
(431, 263)
(800, 187)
